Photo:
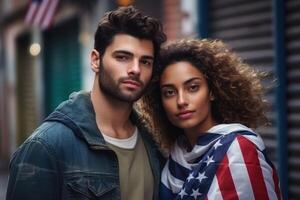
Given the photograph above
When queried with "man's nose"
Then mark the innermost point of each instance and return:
(134, 68)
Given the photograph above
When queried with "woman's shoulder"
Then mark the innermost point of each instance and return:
(230, 133)
(249, 139)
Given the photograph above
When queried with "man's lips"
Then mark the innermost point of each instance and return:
(185, 114)
(132, 84)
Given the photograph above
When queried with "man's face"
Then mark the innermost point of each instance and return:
(126, 67)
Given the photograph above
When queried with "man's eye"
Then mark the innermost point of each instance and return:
(146, 62)
(121, 57)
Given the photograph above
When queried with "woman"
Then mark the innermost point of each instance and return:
(202, 108)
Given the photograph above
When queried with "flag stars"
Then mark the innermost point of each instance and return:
(201, 176)
(218, 144)
(209, 160)
(195, 193)
(190, 177)
(182, 193)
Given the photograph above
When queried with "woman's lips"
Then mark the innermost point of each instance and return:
(185, 114)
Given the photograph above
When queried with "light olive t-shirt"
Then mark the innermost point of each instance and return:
(136, 178)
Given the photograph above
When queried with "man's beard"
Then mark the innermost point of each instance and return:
(111, 88)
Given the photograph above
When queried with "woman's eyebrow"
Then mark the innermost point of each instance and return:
(185, 82)
(167, 85)
(192, 79)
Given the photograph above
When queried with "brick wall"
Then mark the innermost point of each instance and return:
(172, 17)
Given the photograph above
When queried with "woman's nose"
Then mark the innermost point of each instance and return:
(181, 100)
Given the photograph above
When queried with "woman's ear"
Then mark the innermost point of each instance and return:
(211, 96)
(95, 60)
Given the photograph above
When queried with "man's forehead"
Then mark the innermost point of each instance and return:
(134, 45)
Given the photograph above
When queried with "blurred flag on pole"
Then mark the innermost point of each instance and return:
(41, 12)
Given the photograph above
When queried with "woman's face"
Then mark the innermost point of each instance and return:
(186, 97)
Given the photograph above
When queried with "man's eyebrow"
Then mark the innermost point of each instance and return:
(123, 52)
(148, 57)
(131, 54)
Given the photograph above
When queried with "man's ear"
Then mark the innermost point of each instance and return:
(95, 60)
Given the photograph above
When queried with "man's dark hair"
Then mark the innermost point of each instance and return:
(131, 21)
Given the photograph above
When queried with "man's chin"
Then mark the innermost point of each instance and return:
(131, 96)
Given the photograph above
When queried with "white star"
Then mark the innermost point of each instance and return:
(209, 160)
(182, 193)
(200, 176)
(190, 177)
(218, 144)
(195, 193)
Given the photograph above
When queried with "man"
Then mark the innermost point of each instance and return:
(94, 146)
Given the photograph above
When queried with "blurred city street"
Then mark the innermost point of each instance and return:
(3, 182)
(3, 185)
(41, 64)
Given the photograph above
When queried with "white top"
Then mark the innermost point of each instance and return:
(127, 143)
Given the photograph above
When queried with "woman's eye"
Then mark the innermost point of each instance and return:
(193, 88)
(169, 93)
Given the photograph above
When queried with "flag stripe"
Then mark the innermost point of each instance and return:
(257, 141)
(31, 12)
(276, 183)
(239, 172)
(41, 12)
(214, 191)
(274, 175)
(225, 181)
(253, 167)
(231, 167)
(267, 171)
(49, 15)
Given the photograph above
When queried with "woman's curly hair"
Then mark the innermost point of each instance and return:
(236, 87)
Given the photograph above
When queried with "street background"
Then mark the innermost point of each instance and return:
(40, 65)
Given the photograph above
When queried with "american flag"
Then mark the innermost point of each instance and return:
(230, 166)
(41, 12)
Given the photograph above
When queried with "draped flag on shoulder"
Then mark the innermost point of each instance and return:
(40, 12)
(222, 165)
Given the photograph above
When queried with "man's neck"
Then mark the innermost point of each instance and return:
(112, 115)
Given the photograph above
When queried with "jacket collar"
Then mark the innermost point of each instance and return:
(79, 110)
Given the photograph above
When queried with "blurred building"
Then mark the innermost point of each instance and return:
(266, 33)
(40, 67)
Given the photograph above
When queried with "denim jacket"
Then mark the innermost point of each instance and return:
(67, 157)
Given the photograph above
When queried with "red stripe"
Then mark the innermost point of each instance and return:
(276, 183)
(225, 180)
(40, 13)
(32, 11)
(250, 156)
(50, 13)
(44, 12)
